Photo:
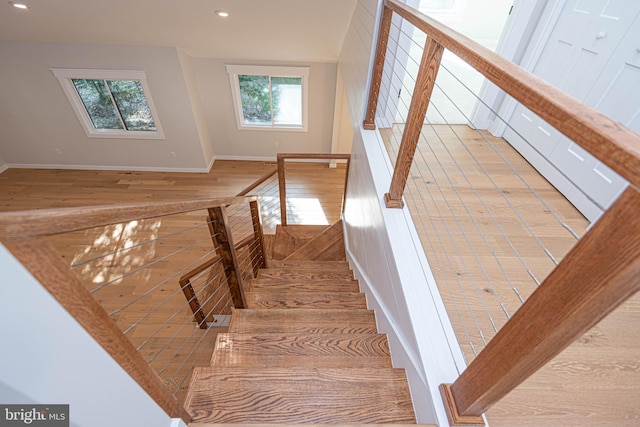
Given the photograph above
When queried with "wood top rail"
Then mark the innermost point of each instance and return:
(259, 181)
(22, 225)
(46, 265)
(611, 142)
(282, 187)
(314, 156)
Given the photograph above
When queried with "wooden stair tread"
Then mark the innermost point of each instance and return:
(305, 350)
(328, 245)
(302, 286)
(301, 300)
(206, 424)
(301, 349)
(296, 274)
(300, 395)
(303, 321)
(310, 265)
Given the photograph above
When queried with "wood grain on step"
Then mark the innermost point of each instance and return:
(318, 350)
(302, 300)
(306, 398)
(296, 274)
(301, 395)
(311, 265)
(318, 286)
(304, 321)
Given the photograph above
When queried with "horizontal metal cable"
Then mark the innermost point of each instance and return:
(151, 263)
(185, 305)
(187, 340)
(118, 251)
(156, 308)
(190, 318)
(498, 116)
(443, 251)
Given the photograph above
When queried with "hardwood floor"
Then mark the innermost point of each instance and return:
(492, 229)
(147, 303)
(596, 381)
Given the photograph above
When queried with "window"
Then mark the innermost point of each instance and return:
(111, 104)
(444, 10)
(269, 98)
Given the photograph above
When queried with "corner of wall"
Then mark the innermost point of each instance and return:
(193, 92)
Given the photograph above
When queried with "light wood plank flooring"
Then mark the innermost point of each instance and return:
(492, 227)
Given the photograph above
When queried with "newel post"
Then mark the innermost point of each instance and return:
(378, 67)
(425, 82)
(282, 189)
(598, 274)
(258, 236)
(223, 241)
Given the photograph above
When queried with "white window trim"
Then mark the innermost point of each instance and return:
(65, 75)
(274, 71)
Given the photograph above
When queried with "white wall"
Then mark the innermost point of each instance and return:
(384, 249)
(480, 20)
(231, 143)
(195, 100)
(37, 118)
(48, 358)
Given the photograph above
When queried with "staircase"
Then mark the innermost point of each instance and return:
(305, 350)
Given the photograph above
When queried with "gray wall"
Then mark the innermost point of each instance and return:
(231, 143)
(36, 117)
(48, 358)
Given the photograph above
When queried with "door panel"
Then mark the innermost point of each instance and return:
(617, 94)
(577, 58)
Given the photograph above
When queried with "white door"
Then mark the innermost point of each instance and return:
(581, 45)
(616, 93)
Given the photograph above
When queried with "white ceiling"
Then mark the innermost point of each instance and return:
(274, 30)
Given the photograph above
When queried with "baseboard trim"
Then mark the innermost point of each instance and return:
(247, 158)
(3, 168)
(107, 168)
(269, 159)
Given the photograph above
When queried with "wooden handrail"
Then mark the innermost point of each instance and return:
(24, 234)
(190, 295)
(593, 279)
(598, 274)
(46, 265)
(256, 183)
(46, 222)
(612, 143)
(282, 186)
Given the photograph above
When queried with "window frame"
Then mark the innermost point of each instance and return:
(65, 76)
(272, 71)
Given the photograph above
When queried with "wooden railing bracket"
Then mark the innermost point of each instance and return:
(455, 419)
(393, 203)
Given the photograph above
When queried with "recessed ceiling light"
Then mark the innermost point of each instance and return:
(18, 5)
(222, 13)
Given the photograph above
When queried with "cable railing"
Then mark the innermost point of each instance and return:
(506, 249)
(295, 204)
(152, 283)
